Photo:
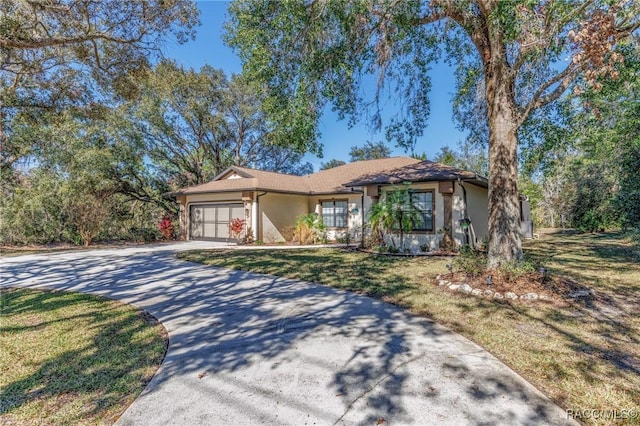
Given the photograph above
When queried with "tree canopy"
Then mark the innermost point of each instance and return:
(512, 58)
(331, 164)
(587, 163)
(369, 151)
(54, 54)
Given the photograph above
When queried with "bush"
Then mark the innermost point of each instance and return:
(248, 237)
(143, 234)
(344, 238)
(310, 229)
(514, 269)
(165, 226)
(470, 261)
(288, 233)
(236, 228)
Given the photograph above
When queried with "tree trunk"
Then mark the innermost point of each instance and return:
(504, 204)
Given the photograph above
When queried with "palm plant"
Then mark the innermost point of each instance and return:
(393, 213)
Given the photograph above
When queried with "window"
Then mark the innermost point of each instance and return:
(423, 203)
(334, 213)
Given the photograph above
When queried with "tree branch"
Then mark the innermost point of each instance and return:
(539, 99)
(9, 43)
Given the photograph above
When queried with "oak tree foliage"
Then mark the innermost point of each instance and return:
(512, 59)
(55, 53)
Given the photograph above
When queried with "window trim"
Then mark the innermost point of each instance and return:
(433, 210)
(346, 213)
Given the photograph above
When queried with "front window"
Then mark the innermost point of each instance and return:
(334, 213)
(423, 203)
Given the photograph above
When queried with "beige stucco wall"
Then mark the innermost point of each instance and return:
(478, 211)
(355, 214)
(277, 215)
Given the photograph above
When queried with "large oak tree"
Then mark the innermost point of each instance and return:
(512, 57)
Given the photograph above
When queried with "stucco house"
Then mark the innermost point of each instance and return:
(450, 200)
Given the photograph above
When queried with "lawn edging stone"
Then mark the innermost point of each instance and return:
(465, 288)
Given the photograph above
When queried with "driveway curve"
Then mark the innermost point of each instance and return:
(248, 349)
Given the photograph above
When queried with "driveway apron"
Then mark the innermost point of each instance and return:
(248, 349)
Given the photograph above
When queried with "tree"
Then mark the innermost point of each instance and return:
(446, 156)
(194, 124)
(369, 151)
(510, 56)
(331, 164)
(469, 157)
(54, 52)
(587, 156)
(252, 140)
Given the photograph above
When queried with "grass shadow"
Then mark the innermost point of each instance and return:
(93, 356)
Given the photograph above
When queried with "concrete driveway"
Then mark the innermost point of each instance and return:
(254, 349)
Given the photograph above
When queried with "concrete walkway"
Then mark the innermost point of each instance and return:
(254, 349)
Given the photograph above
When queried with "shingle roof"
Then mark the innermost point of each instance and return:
(424, 171)
(336, 180)
(333, 180)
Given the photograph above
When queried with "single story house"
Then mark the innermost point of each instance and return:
(342, 197)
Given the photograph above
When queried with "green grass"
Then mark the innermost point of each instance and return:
(584, 356)
(70, 358)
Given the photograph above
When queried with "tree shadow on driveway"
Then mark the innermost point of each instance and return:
(250, 348)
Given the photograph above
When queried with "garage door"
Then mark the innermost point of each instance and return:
(211, 221)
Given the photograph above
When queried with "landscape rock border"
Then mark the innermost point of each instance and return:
(465, 288)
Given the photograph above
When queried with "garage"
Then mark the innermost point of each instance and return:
(211, 221)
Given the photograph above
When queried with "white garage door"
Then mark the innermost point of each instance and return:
(211, 221)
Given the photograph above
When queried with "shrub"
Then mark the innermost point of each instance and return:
(236, 228)
(165, 226)
(248, 237)
(288, 233)
(512, 270)
(309, 229)
(142, 234)
(344, 238)
(470, 261)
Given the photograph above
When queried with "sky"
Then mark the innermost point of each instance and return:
(337, 138)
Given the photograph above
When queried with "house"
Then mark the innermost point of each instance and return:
(449, 199)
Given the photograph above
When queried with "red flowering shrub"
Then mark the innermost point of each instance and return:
(166, 227)
(236, 227)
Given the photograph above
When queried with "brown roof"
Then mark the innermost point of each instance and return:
(335, 180)
(252, 179)
(424, 171)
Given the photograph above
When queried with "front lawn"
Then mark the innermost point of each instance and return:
(69, 358)
(584, 355)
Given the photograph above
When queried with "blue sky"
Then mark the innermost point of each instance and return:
(337, 137)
